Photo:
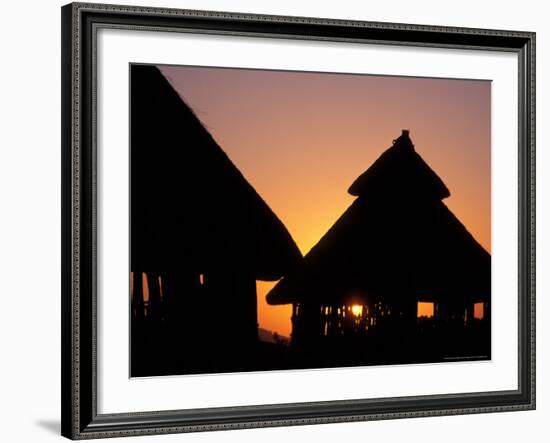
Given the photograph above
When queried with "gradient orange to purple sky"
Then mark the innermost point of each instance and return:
(302, 138)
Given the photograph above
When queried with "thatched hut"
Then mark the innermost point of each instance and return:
(197, 225)
(396, 246)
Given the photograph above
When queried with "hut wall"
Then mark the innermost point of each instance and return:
(138, 304)
(231, 299)
(306, 322)
(182, 307)
(155, 301)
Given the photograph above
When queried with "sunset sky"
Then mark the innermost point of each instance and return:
(301, 139)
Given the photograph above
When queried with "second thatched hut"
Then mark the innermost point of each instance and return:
(395, 257)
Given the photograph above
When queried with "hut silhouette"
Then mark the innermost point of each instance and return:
(396, 246)
(199, 231)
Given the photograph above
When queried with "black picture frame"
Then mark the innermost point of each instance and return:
(80, 419)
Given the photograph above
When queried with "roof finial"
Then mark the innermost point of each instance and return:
(404, 140)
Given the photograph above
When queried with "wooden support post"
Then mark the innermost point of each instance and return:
(138, 306)
(154, 295)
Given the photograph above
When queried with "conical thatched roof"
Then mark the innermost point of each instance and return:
(395, 240)
(400, 171)
(191, 208)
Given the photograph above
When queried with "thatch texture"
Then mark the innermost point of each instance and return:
(191, 208)
(396, 241)
(400, 171)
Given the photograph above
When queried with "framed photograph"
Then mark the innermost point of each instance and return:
(273, 221)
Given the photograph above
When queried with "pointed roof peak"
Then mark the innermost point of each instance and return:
(400, 171)
(404, 140)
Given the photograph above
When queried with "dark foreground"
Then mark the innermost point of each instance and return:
(156, 354)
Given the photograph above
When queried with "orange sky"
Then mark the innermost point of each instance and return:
(302, 138)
